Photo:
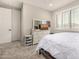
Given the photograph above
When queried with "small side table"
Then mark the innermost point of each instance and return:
(28, 41)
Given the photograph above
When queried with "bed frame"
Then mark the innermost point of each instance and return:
(46, 54)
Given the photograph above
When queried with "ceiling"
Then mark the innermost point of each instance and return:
(39, 3)
(45, 3)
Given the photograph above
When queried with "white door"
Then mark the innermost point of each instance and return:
(5, 25)
(15, 25)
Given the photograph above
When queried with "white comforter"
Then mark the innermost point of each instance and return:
(61, 45)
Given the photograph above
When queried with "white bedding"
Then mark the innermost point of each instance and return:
(61, 45)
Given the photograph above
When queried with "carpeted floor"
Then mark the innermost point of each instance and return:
(15, 50)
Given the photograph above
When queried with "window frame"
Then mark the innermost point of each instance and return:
(70, 19)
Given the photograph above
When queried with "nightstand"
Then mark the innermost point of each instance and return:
(28, 41)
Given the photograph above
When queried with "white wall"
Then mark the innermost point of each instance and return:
(69, 6)
(28, 13)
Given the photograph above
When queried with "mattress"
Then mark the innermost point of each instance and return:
(61, 45)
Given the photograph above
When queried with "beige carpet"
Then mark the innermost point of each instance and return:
(15, 50)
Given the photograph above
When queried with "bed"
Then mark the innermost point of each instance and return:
(60, 46)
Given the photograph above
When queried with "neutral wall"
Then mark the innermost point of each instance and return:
(67, 7)
(28, 13)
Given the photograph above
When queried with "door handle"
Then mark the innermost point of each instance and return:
(10, 29)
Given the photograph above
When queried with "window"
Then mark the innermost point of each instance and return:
(59, 21)
(66, 19)
(63, 20)
(75, 18)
